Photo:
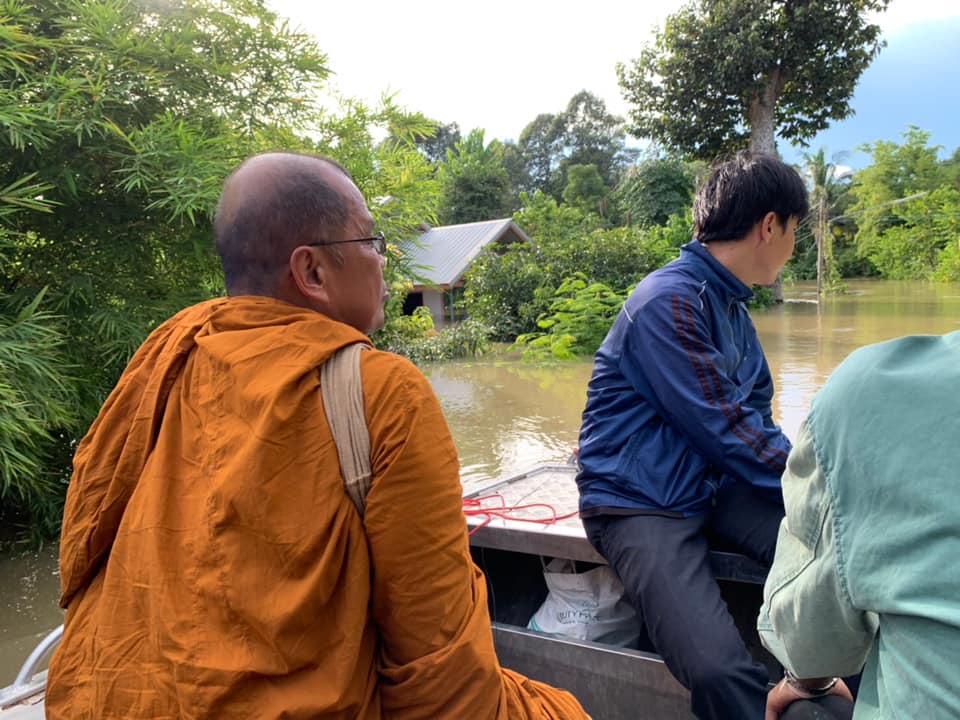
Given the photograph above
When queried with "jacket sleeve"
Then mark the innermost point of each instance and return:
(761, 396)
(670, 356)
(807, 620)
(429, 600)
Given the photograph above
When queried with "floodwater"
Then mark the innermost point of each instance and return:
(507, 415)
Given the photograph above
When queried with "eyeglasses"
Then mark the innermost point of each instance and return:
(378, 242)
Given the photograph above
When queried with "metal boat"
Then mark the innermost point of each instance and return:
(511, 543)
(23, 700)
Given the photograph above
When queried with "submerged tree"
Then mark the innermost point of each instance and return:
(726, 74)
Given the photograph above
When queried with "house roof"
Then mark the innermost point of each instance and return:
(444, 253)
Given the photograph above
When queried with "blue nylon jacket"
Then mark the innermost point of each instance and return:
(680, 398)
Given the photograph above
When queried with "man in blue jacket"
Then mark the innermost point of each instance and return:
(678, 447)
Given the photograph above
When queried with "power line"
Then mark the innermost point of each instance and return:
(877, 207)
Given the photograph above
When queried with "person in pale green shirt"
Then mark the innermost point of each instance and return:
(867, 566)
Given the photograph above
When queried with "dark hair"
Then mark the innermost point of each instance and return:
(296, 206)
(741, 190)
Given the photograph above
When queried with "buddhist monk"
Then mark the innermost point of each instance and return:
(212, 564)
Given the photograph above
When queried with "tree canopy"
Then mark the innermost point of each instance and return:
(725, 74)
(907, 207)
(653, 190)
(585, 189)
(585, 133)
(474, 182)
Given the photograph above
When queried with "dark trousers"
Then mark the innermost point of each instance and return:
(664, 565)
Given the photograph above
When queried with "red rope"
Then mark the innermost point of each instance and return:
(474, 507)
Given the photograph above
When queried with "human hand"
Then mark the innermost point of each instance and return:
(783, 694)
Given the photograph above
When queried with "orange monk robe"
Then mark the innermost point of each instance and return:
(213, 566)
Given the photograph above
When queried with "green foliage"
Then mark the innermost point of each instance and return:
(906, 207)
(541, 216)
(583, 134)
(677, 231)
(589, 135)
(37, 385)
(948, 267)
(510, 288)
(725, 71)
(467, 338)
(619, 257)
(415, 337)
(922, 241)
(133, 184)
(879, 190)
(475, 183)
(829, 196)
(501, 288)
(541, 149)
(405, 331)
(121, 120)
(585, 189)
(578, 320)
(656, 189)
(435, 145)
(518, 175)
(762, 297)
(37, 408)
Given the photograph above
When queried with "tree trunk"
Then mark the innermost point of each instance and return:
(763, 109)
(763, 136)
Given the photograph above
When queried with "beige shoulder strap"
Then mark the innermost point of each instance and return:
(342, 392)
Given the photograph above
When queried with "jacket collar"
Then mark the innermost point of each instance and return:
(721, 280)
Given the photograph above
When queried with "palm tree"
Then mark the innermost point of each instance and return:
(829, 184)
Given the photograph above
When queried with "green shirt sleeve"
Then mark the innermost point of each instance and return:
(807, 620)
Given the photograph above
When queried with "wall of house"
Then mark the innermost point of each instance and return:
(433, 299)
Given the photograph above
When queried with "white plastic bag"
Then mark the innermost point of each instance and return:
(586, 606)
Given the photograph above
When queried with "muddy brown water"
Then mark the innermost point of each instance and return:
(507, 415)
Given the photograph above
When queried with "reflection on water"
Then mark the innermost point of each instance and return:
(29, 588)
(507, 416)
(805, 341)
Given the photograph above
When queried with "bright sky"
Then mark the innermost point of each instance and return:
(497, 64)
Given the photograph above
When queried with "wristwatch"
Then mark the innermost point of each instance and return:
(809, 692)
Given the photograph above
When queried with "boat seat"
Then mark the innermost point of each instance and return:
(555, 486)
(573, 545)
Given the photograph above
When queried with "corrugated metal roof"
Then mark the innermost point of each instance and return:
(445, 253)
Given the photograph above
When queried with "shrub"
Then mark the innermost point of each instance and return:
(37, 416)
(948, 264)
(511, 289)
(415, 337)
(579, 318)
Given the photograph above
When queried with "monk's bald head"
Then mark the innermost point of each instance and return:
(271, 204)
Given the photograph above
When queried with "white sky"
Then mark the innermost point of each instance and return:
(497, 64)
